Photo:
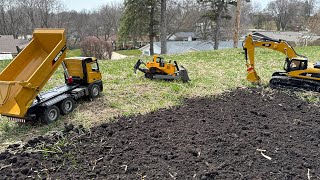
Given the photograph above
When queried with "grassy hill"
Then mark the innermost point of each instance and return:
(126, 93)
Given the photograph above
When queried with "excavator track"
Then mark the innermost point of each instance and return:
(294, 83)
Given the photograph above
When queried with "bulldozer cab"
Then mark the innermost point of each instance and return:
(83, 70)
(159, 60)
(295, 64)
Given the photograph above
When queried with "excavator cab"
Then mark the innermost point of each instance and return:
(295, 64)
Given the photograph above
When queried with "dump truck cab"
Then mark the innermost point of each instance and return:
(82, 70)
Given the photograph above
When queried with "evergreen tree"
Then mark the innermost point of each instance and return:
(139, 19)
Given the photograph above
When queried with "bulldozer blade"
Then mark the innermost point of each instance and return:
(137, 67)
(183, 73)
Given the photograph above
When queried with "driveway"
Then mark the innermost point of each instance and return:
(117, 56)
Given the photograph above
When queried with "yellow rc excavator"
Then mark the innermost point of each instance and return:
(296, 73)
(159, 69)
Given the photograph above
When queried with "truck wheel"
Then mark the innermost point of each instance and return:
(51, 114)
(94, 91)
(66, 106)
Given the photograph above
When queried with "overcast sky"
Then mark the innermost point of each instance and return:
(263, 3)
(79, 5)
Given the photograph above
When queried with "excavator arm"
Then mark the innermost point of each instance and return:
(258, 40)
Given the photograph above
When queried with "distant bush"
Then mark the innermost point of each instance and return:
(314, 43)
(93, 46)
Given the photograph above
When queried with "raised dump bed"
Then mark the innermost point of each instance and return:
(26, 75)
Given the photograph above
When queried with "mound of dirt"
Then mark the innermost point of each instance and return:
(244, 134)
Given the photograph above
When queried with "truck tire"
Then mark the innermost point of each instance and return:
(94, 90)
(51, 114)
(66, 106)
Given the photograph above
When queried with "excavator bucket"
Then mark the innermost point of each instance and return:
(183, 73)
(253, 76)
(25, 76)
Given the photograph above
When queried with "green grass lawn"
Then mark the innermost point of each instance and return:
(134, 52)
(126, 93)
(74, 53)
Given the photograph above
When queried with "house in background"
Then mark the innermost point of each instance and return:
(10, 47)
(177, 47)
(302, 38)
(183, 36)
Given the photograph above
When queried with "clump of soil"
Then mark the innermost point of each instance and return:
(205, 138)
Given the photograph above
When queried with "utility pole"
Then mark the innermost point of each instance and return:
(237, 25)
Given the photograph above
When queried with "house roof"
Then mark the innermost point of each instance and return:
(175, 47)
(289, 35)
(185, 34)
(9, 45)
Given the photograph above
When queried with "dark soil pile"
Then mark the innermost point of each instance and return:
(206, 138)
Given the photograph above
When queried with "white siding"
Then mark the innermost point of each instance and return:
(6, 56)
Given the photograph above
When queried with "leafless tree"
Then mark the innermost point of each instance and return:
(109, 17)
(46, 10)
(3, 22)
(283, 12)
(182, 16)
(29, 10)
(80, 26)
(14, 18)
(313, 23)
(10, 18)
(93, 46)
(21, 17)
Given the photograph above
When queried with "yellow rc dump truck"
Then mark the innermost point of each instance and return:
(22, 80)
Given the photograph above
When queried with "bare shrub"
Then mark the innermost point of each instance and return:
(93, 46)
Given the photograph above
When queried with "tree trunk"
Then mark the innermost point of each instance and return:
(237, 25)
(151, 33)
(217, 29)
(163, 27)
(3, 19)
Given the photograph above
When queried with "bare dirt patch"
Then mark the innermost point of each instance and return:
(244, 134)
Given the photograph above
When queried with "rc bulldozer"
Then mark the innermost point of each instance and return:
(158, 68)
